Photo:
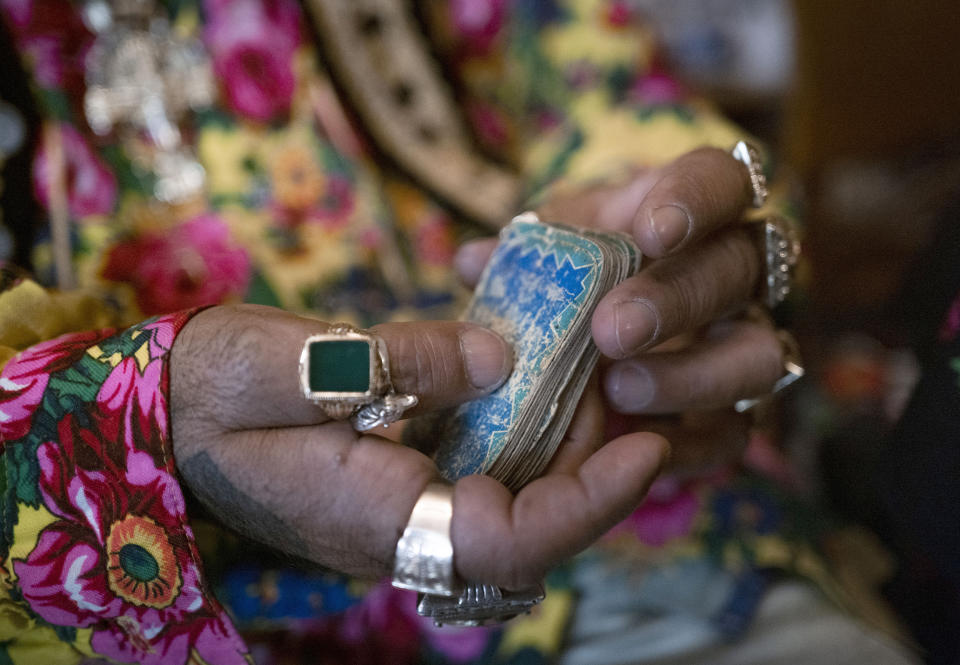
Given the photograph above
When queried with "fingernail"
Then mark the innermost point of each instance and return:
(671, 225)
(637, 325)
(629, 387)
(487, 356)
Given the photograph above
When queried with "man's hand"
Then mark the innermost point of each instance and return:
(269, 464)
(667, 333)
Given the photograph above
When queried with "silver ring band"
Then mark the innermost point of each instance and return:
(749, 156)
(424, 556)
(780, 252)
(792, 368)
(424, 563)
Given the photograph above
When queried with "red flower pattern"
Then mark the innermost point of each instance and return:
(193, 264)
(120, 557)
(54, 39)
(24, 379)
(252, 44)
(91, 187)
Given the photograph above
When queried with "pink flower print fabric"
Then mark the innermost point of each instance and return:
(85, 430)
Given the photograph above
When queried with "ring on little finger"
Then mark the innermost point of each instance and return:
(792, 371)
(779, 249)
(346, 372)
(424, 562)
(424, 555)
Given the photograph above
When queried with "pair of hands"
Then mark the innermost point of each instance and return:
(269, 464)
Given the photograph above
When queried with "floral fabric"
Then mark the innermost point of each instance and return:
(572, 92)
(297, 212)
(96, 545)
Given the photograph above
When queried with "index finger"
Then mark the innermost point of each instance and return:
(690, 198)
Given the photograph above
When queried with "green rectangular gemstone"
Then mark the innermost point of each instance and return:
(340, 366)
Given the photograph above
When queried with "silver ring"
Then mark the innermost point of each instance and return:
(346, 372)
(480, 605)
(424, 563)
(749, 156)
(424, 556)
(792, 371)
(780, 249)
(383, 411)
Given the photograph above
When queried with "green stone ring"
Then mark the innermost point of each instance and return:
(346, 372)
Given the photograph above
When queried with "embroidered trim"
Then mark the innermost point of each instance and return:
(381, 61)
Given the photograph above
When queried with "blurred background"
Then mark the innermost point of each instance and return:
(861, 100)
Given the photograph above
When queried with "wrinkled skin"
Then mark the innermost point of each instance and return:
(271, 465)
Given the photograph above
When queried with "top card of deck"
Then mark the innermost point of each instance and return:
(538, 284)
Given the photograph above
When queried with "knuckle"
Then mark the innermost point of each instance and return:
(772, 357)
(432, 364)
(706, 282)
(421, 363)
(689, 296)
(685, 185)
(233, 353)
(699, 387)
(731, 273)
(744, 253)
(405, 362)
(759, 361)
(713, 180)
(220, 367)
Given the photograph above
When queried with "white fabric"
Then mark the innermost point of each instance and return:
(795, 625)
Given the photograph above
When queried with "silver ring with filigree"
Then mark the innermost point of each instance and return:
(749, 156)
(779, 253)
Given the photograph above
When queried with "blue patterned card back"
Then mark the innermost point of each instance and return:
(539, 282)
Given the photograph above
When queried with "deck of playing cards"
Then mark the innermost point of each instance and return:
(538, 291)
